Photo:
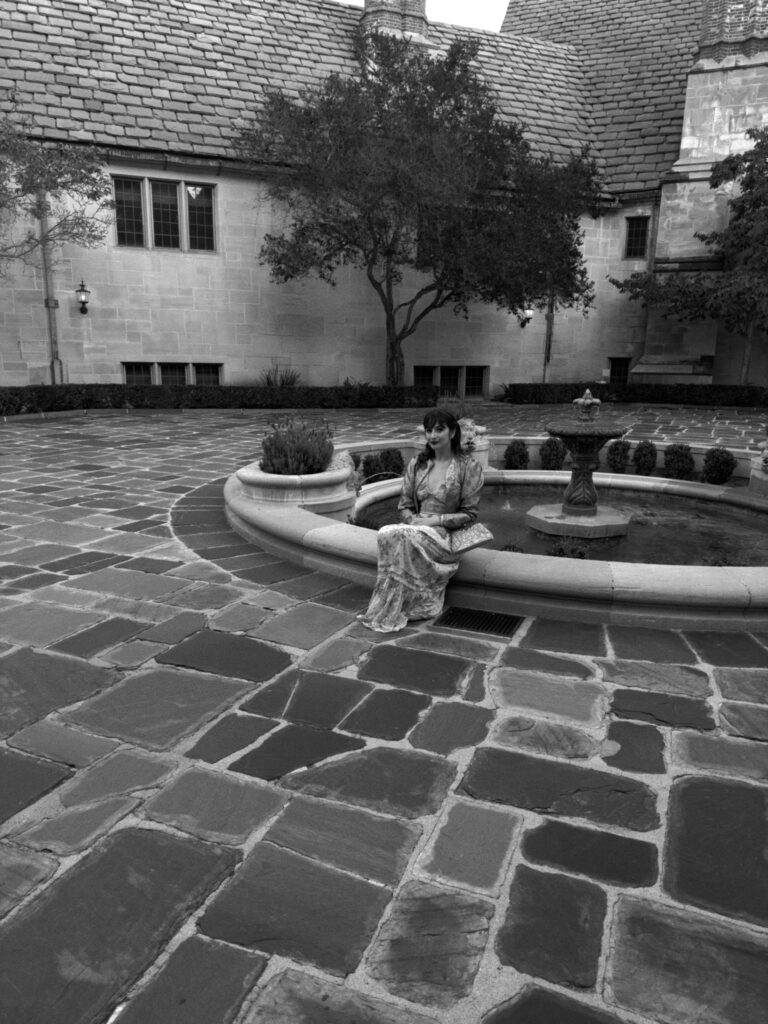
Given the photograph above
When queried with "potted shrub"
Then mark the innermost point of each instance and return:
(552, 453)
(617, 456)
(300, 466)
(516, 455)
(645, 457)
(678, 462)
(719, 465)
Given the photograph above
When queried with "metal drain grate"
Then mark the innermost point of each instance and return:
(475, 621)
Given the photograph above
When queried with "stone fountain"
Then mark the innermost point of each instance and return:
(579, 514)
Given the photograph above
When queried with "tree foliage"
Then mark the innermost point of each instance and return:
(738, 293)
(49, 194)
(409, 166)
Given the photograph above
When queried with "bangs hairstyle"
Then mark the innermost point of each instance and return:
(441, 418)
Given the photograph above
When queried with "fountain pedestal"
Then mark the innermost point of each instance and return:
(579, 515)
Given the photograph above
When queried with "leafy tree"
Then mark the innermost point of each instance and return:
(409, 166)
(738, 293)
(49, 194)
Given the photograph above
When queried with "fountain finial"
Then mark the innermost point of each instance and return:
(587, 406)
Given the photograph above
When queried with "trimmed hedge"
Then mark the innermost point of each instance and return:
(37, 398)
(657, 394)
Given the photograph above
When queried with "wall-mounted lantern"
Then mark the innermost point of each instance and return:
(82, 294)
(525, 317)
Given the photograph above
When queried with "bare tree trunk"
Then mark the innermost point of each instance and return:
(395, 361)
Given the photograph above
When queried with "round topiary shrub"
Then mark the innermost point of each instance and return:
(645, 458)
(678, 462)
(617, 456)
(552, 453)
(516, 455)
(719, 465)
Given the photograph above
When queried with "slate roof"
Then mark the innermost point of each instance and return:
(636, 55)
(179, 76)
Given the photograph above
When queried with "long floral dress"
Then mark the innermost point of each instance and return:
(415, 562)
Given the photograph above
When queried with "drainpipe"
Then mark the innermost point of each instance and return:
(51, 304)
(549, 320)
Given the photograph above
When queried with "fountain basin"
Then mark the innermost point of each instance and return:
(628, 593)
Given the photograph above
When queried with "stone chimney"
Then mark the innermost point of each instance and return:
(733, 27)
(401, 17)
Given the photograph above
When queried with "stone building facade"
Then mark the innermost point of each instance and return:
(658, 88)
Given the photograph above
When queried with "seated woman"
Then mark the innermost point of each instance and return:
(441, 492)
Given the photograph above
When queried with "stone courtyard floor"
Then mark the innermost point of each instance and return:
(222, 800)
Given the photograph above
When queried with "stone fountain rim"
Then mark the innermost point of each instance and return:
(713, 597)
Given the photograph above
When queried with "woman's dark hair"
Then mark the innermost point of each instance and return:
(440, 418)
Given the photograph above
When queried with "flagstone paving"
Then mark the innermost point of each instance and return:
(223, 801)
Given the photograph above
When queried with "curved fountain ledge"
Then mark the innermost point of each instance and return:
(671, 596)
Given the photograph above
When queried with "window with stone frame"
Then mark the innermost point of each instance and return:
(165, 214)
(137, 373)
(636, 244)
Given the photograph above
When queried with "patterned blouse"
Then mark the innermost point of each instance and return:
(457, 499)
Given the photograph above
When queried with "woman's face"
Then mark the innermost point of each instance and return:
(439, 437)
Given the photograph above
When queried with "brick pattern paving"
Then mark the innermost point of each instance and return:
(224, 801)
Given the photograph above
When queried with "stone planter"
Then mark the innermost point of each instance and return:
(331, 493)
(758, 477)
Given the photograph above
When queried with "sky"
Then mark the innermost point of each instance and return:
(474, 13)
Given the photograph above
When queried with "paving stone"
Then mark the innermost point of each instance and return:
(272, 700)
(472, 845)
(662, 709)
(71, 831)
(132, 654)
(216, 807)
(340, 653)
(748, 720)
(536, 1006)
(36, 581)
(311, 585)
(272, 572)
(157, 707)
(40, 554)
(374, 847)
(743, 684)
(230, 734)
(643, 675)
(617, 860)
(733, 649)
(741, 758)
(82, 562)
(294, 998)
(205, 596)
(40, 625)
(127, 583)
(398, 782)
(717, 838)
(635, 642)
(25, 780)
(225, 654)
(508, 777)
(57, 742)
(387, 714)
(287, 905)
(292, 747)
(239, 618)
(553, 927)
(541, 737)
(144, 564)
(352, 598)
(202, 982)
(678, 967)
(105, 634)
(21, 870)
(535, 661)
(175, 629)
(513, 688)
(270, 600)
(430, 946)
(58, 964)
(569, 637)
(474, 689)
(125, 771)
(305, 626)
(634, 748)
(450, 726)
(450, 643)
(323, 700)
(435, 674)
